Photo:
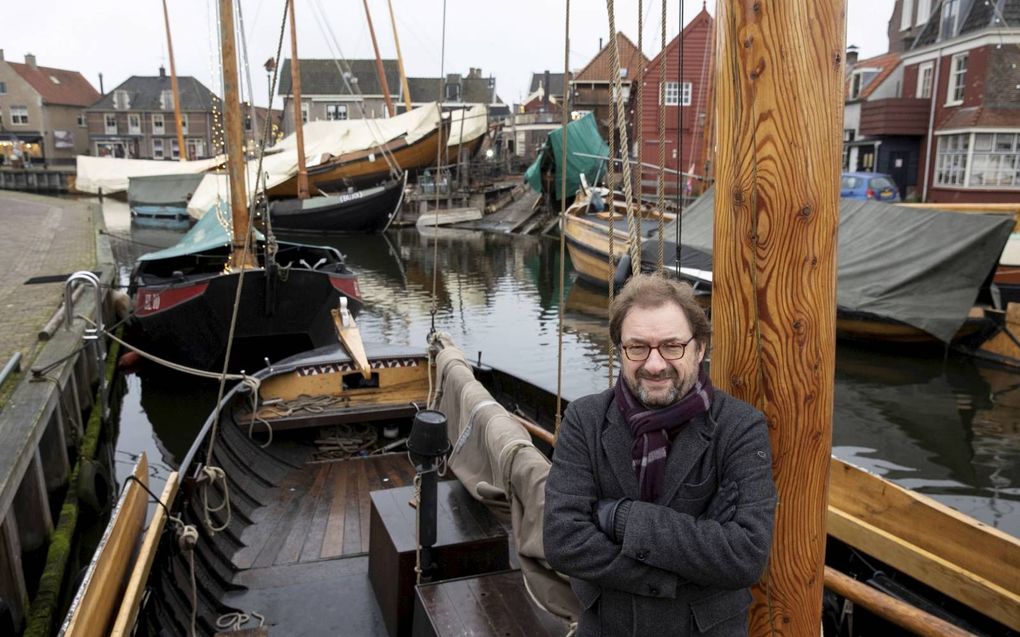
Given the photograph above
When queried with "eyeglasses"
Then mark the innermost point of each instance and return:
(668, 351)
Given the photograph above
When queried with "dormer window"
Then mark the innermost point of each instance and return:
(166, 100)
(950, 18)
(859, 80)
(453, 92)
(55, 79)
(121, 100)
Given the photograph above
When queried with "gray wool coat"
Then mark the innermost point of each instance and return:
(673, 574)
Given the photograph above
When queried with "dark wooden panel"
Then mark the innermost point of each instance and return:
(492, 604)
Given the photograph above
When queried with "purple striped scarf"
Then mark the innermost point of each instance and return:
(653, 429)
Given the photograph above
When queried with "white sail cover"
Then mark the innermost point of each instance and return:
(323, 140)
(111, 174)
(467, 125)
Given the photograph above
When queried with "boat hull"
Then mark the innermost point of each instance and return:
(364, 211)
(188, 322)
(160, 216)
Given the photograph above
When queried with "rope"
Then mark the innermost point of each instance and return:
(210, 476)
(439, 158)
(634, 241)
(660, 182)
(611, 205)
(187, 539)
(563, 224)
(679, 137)
(639, 101)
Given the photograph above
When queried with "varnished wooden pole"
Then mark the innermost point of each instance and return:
(779, 117)
(378, 63)
(182, 152)
(239, 257)
(400, 60)
(299, 125)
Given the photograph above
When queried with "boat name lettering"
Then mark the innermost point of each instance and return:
(351, 196)
(334, 368)
(150, 302)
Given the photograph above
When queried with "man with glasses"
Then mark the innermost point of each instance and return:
(660, 501)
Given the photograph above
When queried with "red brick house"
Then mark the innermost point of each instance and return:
(958, 100)
(687, 96)
(591, 86)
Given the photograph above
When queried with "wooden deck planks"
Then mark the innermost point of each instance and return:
(332, 545)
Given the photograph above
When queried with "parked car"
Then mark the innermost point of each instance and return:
(874, 186)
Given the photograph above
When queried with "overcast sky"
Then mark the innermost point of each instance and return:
(508, 39)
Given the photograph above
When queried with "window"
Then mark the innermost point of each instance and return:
(859, 80)
(134, 124)
(336, 111)
(951, 164)
(166, 100)
(196, 148)
(957, 80)
(925, 74)
(304, 112)
(19, 115)
(121, 100)
(3, 88)
(175, 149)
(907, 16)
(82, 120)
(923, 11)
(157, 149)
(111, 123)
(184, 123)
(158, 125)
(950, 16)
(995, 162)
(453, 92)
(676, 93)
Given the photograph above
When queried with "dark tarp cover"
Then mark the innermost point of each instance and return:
(212, 231)
(582, 137)
(918, 266)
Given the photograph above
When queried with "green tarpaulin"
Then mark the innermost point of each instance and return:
(582, 138)
(212, 231)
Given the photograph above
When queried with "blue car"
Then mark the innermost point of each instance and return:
(873, 186)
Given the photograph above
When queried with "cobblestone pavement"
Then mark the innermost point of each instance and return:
(39, 236)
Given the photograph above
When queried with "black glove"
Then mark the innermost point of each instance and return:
(723, 506)
(611, 517)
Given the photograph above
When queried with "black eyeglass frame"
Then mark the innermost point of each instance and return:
(683, 350)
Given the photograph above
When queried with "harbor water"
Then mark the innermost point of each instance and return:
(939, 423)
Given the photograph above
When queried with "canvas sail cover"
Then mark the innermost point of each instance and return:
(495, 460)
(922, 267)
(210, 232)
(467, 125)
(582, 139)
(112, 174)
(156, 190)
(324, 140)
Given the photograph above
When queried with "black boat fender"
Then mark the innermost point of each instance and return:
(622, 272)
(93, 486)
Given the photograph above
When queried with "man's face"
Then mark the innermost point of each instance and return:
(655, 381)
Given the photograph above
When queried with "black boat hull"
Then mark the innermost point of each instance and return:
(363, 211)
(280, 314)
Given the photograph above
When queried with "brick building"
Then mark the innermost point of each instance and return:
(592, 85)
(136, 119)
(41, 112)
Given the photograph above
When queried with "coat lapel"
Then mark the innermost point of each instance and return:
(616, 443)
(690, 443)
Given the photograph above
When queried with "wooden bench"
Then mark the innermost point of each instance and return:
(494, 604)
(469, 541)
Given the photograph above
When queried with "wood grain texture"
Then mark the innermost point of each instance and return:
(779, 83)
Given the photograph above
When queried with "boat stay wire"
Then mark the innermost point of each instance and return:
(565, 108)
(679, 132)
(660, 178)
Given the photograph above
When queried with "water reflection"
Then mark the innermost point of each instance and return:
(941, 425)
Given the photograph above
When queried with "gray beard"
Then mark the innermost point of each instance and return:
(647, 400)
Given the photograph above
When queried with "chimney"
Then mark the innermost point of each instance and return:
(474, 73)
(1, 55)
(547, 90)
(30, 60)
(600, 44)
(851, 55)
(162, 72)
(101, 91)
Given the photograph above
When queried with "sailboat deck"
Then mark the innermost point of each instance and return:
(304, 564)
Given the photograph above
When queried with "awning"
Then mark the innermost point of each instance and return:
(28, 137)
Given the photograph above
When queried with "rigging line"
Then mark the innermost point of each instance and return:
(660, 181)
(439, 151)
(344, 70)
(563, 216)
(237, 294)
(611, 205)
(247, 73)
(699, 123)
(679, 135)
(638, 120)
(633, 238)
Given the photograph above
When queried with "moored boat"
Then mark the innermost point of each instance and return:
(162, 200)
(366, 211)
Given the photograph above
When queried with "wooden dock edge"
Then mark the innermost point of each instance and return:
(132, 600)
(95, 602)
(968, 560)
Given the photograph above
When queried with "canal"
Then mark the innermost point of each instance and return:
(939, 423)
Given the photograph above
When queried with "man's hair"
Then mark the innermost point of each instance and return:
(652, 291)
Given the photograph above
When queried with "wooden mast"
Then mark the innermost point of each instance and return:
(182, 151)
(378, 63)
(400, 60)
(299, 125)
(239, 257)
(779, 86)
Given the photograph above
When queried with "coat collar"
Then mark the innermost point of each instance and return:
(686, 449)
